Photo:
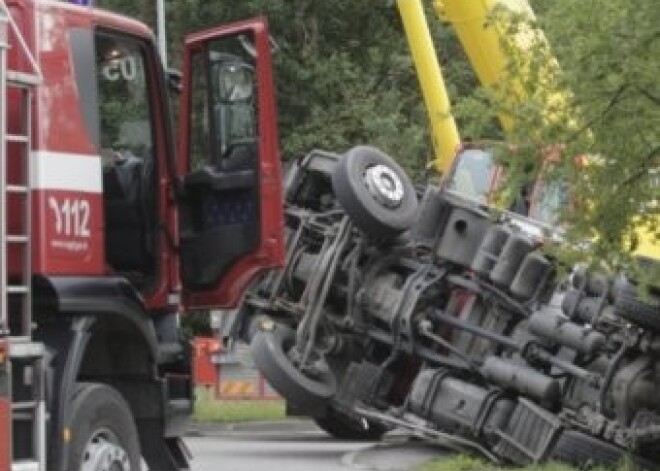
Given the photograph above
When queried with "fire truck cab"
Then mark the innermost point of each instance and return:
(111, 226)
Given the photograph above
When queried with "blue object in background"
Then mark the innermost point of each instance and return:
(83, 2)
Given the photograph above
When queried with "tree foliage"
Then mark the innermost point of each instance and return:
(344, 74)
(600, 100)
(610, 55)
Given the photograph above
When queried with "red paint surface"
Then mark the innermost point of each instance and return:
(65, 253)
(5, 433)
(270, 252)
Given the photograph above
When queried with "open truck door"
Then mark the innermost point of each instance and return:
(231, 214)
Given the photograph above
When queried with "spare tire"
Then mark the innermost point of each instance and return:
(375, 192)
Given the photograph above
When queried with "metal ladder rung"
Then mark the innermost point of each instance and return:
(21, 138)
(25, 466)
(21, 347)
(24, 406)
(18, 239)
(17, 188)
(23, 351)
(21, 79)
(23, 416)
(18, 289)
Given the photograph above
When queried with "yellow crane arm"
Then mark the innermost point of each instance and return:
(482, 45)
(444, 132)
(481, 39)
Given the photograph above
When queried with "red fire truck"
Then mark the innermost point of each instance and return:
(111, 227)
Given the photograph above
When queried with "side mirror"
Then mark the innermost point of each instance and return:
(234, 81)
(232, 98)
(174, 80)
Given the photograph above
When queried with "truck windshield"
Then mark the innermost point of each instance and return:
(473, 174)
(123, 99)
(549, 199)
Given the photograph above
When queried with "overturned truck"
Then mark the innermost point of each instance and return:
(414, 307)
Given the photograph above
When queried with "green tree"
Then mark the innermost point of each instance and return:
(608, 55)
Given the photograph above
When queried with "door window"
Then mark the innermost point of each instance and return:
(224, 84)
(126, 139)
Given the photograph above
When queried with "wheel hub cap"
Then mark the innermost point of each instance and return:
(384, 185)
(102, 453)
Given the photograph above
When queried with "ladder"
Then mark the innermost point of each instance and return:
(26, 357)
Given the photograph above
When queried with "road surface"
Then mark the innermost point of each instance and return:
(284, 450)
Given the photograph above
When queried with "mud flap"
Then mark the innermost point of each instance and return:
(160, 453)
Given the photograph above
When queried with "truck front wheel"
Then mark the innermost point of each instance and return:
(375, 192)
(103, 433)
(271, 352)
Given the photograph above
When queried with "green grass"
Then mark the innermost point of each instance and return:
(455, 463)
(208, 409)
(469, 463)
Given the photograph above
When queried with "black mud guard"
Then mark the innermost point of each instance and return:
(69, 308)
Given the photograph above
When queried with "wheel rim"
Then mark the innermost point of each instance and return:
(384, 185)
(103, 452)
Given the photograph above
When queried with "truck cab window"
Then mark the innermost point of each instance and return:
(224, 124)
(473, 175)
(221, 189)
(126, 141)
(551, 197)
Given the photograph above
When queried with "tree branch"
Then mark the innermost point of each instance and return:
(655, 99)
(643, 169)
(614, 100)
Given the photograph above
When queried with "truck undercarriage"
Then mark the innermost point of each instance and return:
(420, 309)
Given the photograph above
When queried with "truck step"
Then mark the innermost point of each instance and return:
(17, 138)
(169, 351)
(17, 289)
(21, 79)
(18, 239)
(17, 189)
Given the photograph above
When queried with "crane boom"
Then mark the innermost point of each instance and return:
(482, 40)
(444, 131)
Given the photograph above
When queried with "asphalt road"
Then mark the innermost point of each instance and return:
(286, 450)
(261, 454)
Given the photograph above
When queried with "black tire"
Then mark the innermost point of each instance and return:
(643, 312)
(367, 210)
(344, 427)
(269, 350)
(585, 451)
(103, 433)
